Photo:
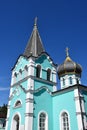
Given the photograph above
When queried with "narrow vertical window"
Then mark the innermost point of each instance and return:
(65, 121)
(63, 82)
(42, 121)
(77, 81)
(38, 71)
(70, 80)
(48, 74)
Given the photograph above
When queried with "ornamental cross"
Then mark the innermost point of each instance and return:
(35, 21)
(67, 51)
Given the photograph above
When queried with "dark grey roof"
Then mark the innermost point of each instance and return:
(34, 46)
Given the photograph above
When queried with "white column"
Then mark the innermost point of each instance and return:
(78, 109)
(84, 112)
(29, 98)
(54, 80)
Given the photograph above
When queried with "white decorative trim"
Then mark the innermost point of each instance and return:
(29, 95)
(17, 113)
(68, 119)
(78, 109)
(67, 81)
(42, 111)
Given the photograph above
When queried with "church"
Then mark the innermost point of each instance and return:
(35, 102)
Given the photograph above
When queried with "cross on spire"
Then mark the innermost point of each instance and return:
(67, 51)
(35, 21)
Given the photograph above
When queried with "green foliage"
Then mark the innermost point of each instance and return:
(3, 110)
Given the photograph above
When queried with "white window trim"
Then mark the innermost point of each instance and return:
(17, 113)
(18, 105)
(46, 119)
(61, 116)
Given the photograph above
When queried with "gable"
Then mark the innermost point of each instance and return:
(20, 64)
(45, 61)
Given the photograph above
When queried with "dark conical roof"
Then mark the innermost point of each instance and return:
(68, 67)
(34, 46)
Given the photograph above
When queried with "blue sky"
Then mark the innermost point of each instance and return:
(61, 24)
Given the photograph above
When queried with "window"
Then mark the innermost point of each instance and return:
(20, 71)
(26, 67)
(65, 121)
(42, 121)
(15, 125)
(38, 71)
(77, 80)
(18, 103)
(63, 82)
(48, 74)
(15, 74)
(70, 80)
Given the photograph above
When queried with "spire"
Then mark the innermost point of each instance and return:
(34, 46)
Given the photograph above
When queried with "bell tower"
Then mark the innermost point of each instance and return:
(33, 70)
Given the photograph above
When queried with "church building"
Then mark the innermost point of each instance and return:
(35, 102)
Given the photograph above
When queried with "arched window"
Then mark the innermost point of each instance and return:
(64, 121)
(20, 71)
(26, 67)
(38, 71)
(42, 121)
(15, 123)
(48, 74)
(15, 74)
(63, 82)
(18, 103)
(70, 80)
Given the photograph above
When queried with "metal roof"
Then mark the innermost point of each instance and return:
(34, 46)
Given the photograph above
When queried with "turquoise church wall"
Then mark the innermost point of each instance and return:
(43, 103)
(19, 94)
(45, 64)
(21, 63)
(64, 102)
(21, 109)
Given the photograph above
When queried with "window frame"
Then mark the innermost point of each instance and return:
(46, 120)
(61, 123)
(19, 105)
(48, 74)
(38, 71)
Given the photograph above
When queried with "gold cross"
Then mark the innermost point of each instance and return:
(67, 51)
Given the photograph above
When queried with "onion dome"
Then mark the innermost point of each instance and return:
(69, 67)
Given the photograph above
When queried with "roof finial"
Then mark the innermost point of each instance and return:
(35, 21)
(67, 51)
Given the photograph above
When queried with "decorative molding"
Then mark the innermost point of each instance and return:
(33, 77)
(77, 98)
(79, 113)
(29, 114)
(43, 87)
(29, 100)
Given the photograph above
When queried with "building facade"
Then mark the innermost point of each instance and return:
(35, 103)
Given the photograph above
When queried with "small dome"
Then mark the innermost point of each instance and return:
(69, 67)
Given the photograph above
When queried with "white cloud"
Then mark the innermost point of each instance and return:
(4, 89)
